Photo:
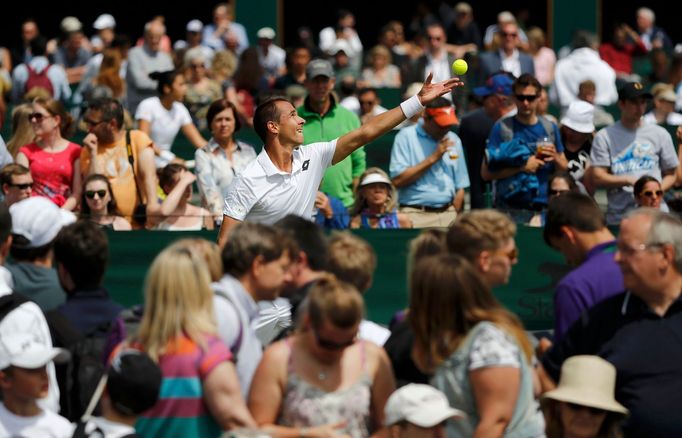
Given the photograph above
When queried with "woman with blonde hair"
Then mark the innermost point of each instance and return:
(381, 73)
(476, 351)
(53, 160)
(322, 380)
(544, 58)
(22, 132)
(200, 393)
(376, 200)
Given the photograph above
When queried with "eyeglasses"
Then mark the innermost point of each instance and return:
(23, 186)
(434, 38)
(331, 345)
(93, 123)
(553, 192)
(627, 250)
(91, 194)
(509, 34)
(591, 409)
(651, 193)
(528, 97)
(38, 117)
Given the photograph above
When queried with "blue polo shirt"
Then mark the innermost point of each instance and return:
(438, 185)
(646, 350)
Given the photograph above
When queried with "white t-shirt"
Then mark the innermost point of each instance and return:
(265, 194)
(674, 119)
(44, 425)
(164, 124)
(108, 428)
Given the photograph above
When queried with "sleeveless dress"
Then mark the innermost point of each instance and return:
(306, 405)
(388, 220)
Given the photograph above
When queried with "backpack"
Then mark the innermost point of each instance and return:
(79, 377)
(39, 80)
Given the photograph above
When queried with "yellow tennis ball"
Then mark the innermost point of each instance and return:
(459, 67)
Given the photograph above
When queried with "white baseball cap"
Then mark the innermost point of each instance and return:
(21, 350)
(194, 26)
(421, 405)
(104, 21)
(267, 33)
(374, 178)
(38, 220)
(579, 117)
(70, 24)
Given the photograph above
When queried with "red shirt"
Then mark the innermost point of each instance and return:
(52, 172)
(620, 59)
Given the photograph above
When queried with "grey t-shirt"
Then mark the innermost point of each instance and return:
(648, 150)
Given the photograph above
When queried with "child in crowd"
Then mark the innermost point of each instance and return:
(23, 380)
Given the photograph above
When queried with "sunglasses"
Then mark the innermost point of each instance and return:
(38, 117)
(91, 193)
(593, 410)
(92, 123)
(528, 97)
(651, 194)
(554, 192)
(509, 34)
(23, 186)
(331, 345)
(367, 102)
(434, 38)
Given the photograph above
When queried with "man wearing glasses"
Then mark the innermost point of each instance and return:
(17, 183)
(436, 60)
(629, 149)
(638, 330)
(507, 57)
(522, 153)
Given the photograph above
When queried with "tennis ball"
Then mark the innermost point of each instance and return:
(459, 67)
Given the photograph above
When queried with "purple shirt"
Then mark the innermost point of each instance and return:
(596, 279)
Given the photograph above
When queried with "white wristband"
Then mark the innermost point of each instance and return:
(412, 107)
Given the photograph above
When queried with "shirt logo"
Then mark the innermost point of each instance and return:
(306, 163)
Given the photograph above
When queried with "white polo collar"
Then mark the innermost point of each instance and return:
(269, 167)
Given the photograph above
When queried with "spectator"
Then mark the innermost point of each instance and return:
(108, 81)
(35, 224)
(22, 132)
(130, 172)
(624, 326)
(256, 262)
(481, 345)
(464, 31)
(543, 107)
(652, 36)
(326, 120)
(381, 73)
(21, 88)
(24, 380)
(559, 182)
(325, 356)
(193, 31)
(514, 158)
(352, 260)
(625, 45)
(179, 333)
(544, 58)
(583, 404)
(587, 91)
(436, 60)
(222, 158)
(475, 126)
(428, 167)
(133, 386)
(98, 204)
(576, 227)
(389, 40)
(53, 160)
(162, 116)
(17, 183)
(663, 112)
(577, 132)
(491, 38)
(142, 61)
(105, 25)
(648, 192)
(72, 53)
(370, 104)
(178, 214)
(343, 29)
(629, 149)
(25, 316)
(224, 32)
(507, 57)
(29, 30)
(376, 202)
(417, 410)
(297, 59)
(271, 56)
(201, 89)
(581, 64)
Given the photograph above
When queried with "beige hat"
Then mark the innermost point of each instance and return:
(588, 381)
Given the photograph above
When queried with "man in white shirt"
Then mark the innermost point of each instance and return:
(270, 56)
(285, 177)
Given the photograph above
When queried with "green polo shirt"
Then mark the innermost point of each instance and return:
(338, 179)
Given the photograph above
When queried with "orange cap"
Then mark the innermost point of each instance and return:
(443, 116)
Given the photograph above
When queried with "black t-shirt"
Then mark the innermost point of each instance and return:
(474, 130)
(646, 350)
(399, 348)
(578, 160)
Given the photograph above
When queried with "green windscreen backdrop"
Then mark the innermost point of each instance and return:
(566, 16)
(529, 293)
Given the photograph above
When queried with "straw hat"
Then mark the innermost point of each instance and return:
(587, 381)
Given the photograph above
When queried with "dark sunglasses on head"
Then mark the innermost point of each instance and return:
(38, 117)
(331, 345)
(23, 186)
(91, 193)
(593, 410)
(651, 193)
(528, 97)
